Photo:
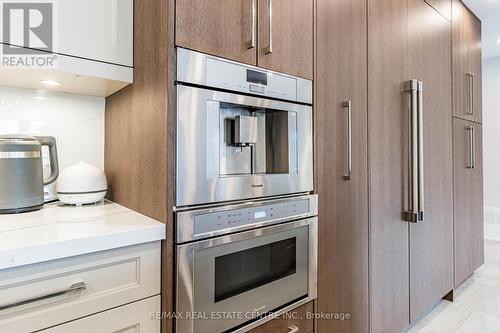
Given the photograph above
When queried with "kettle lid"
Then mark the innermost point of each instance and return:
(17, 137)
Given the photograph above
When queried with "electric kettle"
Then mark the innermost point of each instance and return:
(21, 172)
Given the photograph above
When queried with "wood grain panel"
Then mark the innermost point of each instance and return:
(292, 34)
(475, 66)
(217, 27)
(431, 241)
(340, 76)
(168, 259)
(468, 201)
(460, 33)
(389, 253)
(136, 123)
(139, 131)
(297, 317)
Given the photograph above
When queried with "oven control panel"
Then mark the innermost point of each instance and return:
(224, 219)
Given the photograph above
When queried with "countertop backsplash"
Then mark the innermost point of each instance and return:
(77, 122)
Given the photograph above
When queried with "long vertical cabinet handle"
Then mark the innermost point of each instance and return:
(470, 86)
(348, 105)
(421, 189)
(269, 48)
(472, 94)
(414, 213)
(251, 43)
(472, 147)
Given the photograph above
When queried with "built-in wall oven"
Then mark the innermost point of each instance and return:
(238, 263)
(242, 132)
(246, 224)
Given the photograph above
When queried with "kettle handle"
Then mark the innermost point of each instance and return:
(54, 164)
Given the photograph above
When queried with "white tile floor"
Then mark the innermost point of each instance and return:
(476, 308)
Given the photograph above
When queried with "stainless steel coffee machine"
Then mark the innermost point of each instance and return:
(21, 172)
(242, 132)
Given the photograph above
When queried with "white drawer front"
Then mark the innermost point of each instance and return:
(131, 318)
(111, 278)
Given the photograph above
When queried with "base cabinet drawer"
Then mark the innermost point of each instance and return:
(35, 297)
(294, 321)
(131, 318)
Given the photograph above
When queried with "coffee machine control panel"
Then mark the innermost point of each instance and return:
(214, 72)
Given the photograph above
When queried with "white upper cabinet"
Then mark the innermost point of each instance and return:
(85, 46)
(95, 29)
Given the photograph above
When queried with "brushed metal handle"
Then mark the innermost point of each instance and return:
(80, 286)
(414, 213)
(259, 308)
(293, 329)
(470, 83)
(472, 149)
(348, 105)
(269, 48)
(251, 43)
(421, 184)
(472, 93)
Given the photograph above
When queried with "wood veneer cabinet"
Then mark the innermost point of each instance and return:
(431, 241)
(140, 133)
(467, 83)
(467, 143)
(411, 264)
(468, 198)
(389, 250)
(285, 33)
(298, 320)
(273, 34)
(341, 145)
(225, 28)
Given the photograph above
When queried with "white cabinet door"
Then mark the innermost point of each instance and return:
(132, 318)
(95, 29)
(38, 296)
(99, 30)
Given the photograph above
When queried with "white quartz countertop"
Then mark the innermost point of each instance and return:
(60, 231)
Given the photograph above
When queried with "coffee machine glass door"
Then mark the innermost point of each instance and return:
(233, 147)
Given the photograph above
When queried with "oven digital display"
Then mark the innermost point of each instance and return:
(256, 77)
(259, 215)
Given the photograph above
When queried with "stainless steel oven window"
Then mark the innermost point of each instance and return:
(242, 271)
(196, 276)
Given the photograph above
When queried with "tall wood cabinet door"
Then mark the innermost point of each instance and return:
(286, 36)
(475, 64)
(431, 241)
(225, 28)
(468, 198)
(341, 73)
(389, 253)
(460, 45)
